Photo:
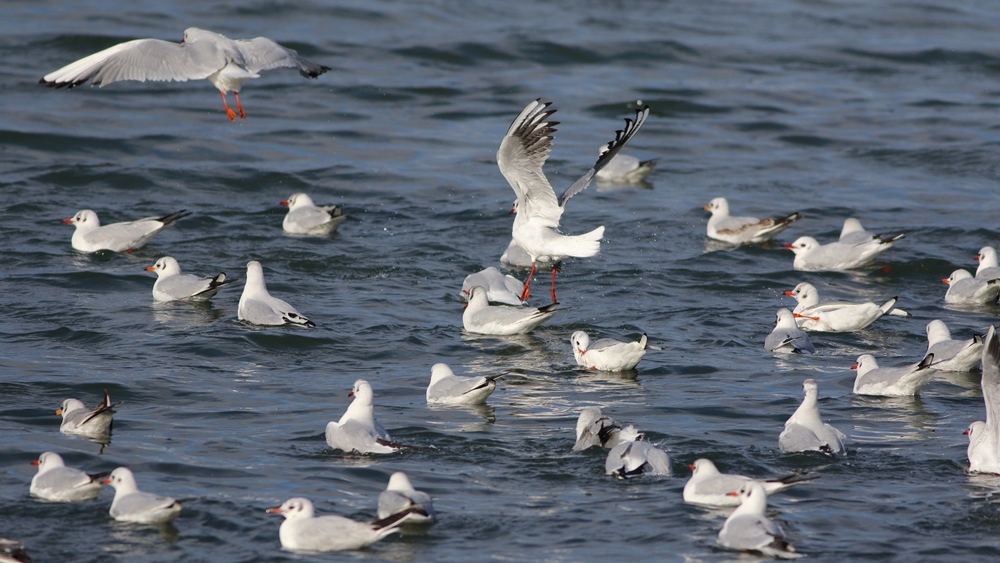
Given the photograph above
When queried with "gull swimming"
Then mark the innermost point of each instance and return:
(607, 354)
(399, 497)
(837, 256)
(172, 285)
(521, 155)
(953, 355)
(988, 268)
(224, 62)
(632, 457)
(357, 430)
(891, 382)
(58, 483)
(449, 389)
(258, 307)
(963, 289)
(710, 487)
(500, 288)
(853, 233)
(805, 431)
(740, 230)
(306, 218)
(811, 314)
(132, 505)
(303, 531)
(984, 437)
(787, 337)
(77, 419)
(596, 429)
(749, 529)
(90, 236)
(624, 169)
(482, 318)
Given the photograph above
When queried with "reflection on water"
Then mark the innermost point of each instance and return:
(192, 313)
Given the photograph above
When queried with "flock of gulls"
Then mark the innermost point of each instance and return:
(496, 305)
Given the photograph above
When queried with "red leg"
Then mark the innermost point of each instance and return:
(238, 107)
(553, 284)
(230, 113)
(527, 283)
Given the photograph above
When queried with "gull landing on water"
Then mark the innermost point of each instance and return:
(521, 155)
(224, 62)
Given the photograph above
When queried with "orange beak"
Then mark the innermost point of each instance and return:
(149, 268)
(69, 220)
(513, 210)
(732, 494)
(284, 202)
(798, 316)
(58, 412)
(944, 280)
(275, 510)
(35, 462)
(106, 481)
(789, 293)
(707, 208)
(582, 352)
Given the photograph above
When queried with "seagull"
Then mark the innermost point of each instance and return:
(259, 308)
(306, 218)
(500, 288)
(854, 233)
(595, 429)
(399, 497)
(132, 505)
(302, 531)
(482, 318)
(988, 268)
(58, 483)
(357, 430)
(607, 354)
(963, 289)
(805, 431)
(812, 257)
(633, 457)
(90, 236)
(449, 389)
(522, 153)
(953, 355)
(12, 551)
(226, 63)
(984, 437)
(708, 487)
(810, 314)
(740, 230)
(172, 285)
(624, 169)
(515, 256)
(78, 420)
(749, 529)
(891, 382)
(786, 337)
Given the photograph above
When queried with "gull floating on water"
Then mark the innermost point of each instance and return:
(399, 497)
(632, 457)
(357, 430)
(963, 289)
(306, 218)
(988, 268)
(607, 354)
(224, 62)
(482, 318)
(624, 169)
(749, 529)
(740, 230)
(787, 337)
(500, 288)
(449, 389)
(303, 531)
(953, 355)
(258, 307)
(710, 487)
(58, 483)
(596, 429)
(90, 236)
(811, 314)
(984, 437)
(521, 155)
(805, 431)
(837, 256)
(77, 419)
(132, 505)
(891, 382)
(172, 285)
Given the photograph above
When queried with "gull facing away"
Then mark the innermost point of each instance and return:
(749, 529)
(787, 337)
(224, 62)
(805, 431)
(172, 285)
(399, 497)
(835, 316)
(521, 155)
(742, 230)
(596, 429)
(258, 307)
(357, 430)
(988, 268)
(93, 423)
(624, 169)
(500, 288)
(449, 389)
(132, 505)
(710, 487)
(984, 437)
(891, 382)
(810, 256)
(482, 318)
(632, 457)
(953, 355)
(57, 483)
(305, 532)
(90, 236)
(963, 289)
(607, 354)
(306, 218)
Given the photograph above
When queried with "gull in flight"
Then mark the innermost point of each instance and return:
(521, 155)
(224, 62)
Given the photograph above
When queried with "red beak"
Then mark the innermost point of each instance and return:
(731, 494)
(788, 245)
(275, 510)
(284, 202)
(35, 463)
(106, 481)
(977, 258)
(691, 466)
(965, 432)
(70, 220)
(351, 394)
(944, 280)
(855, 366)
(790, 293)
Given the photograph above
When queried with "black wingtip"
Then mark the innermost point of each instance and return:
(926, 362)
